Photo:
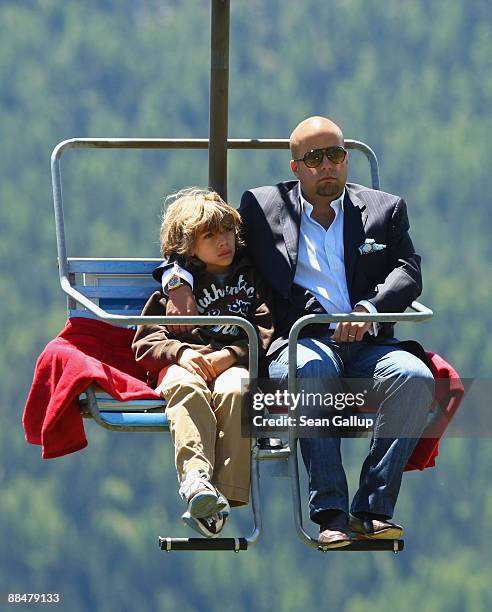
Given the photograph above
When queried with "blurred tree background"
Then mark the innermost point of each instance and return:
(412, 79)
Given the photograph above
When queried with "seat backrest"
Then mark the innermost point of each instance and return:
(119, 286)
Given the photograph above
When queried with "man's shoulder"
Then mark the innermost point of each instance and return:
(371, 196)
(268, 192)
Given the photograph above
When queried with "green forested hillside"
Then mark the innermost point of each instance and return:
(414, 80)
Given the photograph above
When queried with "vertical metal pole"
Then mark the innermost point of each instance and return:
(219, 97)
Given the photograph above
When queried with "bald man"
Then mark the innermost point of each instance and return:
(328, 246)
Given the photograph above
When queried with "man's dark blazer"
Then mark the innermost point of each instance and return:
(390, 278)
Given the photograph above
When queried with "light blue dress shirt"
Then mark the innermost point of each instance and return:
(321, 263)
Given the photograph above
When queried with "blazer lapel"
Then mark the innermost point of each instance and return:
(354, 220)
(290, 222)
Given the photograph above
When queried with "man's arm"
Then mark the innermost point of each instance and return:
(174, 269)
(371, 309)
(180, 301)
(403, 284)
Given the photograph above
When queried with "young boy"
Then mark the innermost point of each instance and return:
(199, 372)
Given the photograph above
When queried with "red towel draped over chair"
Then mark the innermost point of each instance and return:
(89, 352)
(85, 352)
(448, 395)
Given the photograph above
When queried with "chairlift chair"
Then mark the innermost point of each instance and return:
(115, 290)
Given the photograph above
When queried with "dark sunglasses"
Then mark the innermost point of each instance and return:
(313, 158)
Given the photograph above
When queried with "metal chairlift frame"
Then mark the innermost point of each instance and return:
(218, 145)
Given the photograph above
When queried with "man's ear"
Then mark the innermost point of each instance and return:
(293, 167)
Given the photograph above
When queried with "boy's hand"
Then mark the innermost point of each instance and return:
(221, 360)
(196, 363)
(181, 302)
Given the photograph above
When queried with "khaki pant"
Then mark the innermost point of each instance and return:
(207, 439)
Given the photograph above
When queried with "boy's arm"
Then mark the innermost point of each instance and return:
(222, 360)
(153, 345)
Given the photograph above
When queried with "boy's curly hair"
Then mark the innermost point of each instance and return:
(190, 211)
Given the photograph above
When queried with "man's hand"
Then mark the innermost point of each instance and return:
(221, 360)
(351, 332)
(181, 302)
(196, 363)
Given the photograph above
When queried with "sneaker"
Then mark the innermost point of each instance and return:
(210, 527)
(226, 509)
(202, 497)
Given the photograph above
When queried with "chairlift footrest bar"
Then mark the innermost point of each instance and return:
(234, 544)
(369, 545)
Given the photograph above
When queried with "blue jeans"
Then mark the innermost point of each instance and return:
(395, 371)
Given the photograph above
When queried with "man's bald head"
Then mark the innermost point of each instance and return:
(324, 182)
(312, 127)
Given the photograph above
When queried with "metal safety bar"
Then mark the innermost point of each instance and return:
(164, 143)
(420, 313)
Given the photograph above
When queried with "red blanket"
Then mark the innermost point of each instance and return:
(85, 352)
(448, 395)
(89, 352)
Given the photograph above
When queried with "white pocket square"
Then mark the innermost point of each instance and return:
(370, 246)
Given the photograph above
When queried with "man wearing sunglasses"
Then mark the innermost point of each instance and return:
(328, 246)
